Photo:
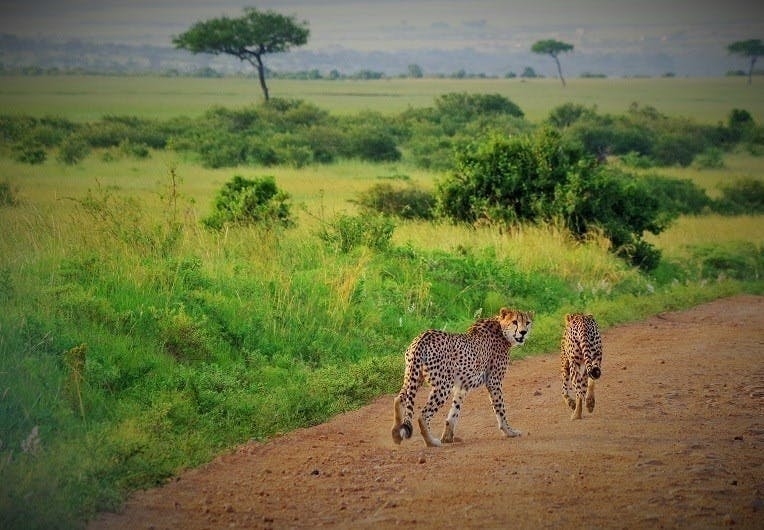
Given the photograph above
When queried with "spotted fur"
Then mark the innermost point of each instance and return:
(457, 363)
(580, 358)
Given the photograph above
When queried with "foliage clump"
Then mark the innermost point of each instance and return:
(541, 177)
(745, 196)
(256, 201)
(409, 202)
(345, 232)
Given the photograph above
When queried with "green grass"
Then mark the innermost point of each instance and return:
(88, 98)
(194, 340)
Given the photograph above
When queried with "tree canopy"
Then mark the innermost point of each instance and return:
(554, 48)
(248, 38)
(751, 49)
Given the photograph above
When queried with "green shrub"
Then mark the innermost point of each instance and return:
(567, 114)
(7, 194)
(29, 153)
(744, 196)
(407, 202)
(636, 160)
(136, 150)
(711, 158)
(540, 177)
(741, 260)
(467, 106)
(678, 196)
(345, 232)
(740, 124)
(72, 150)
(373, 145)
(250, 202)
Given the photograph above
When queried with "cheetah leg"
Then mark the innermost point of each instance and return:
(453, 415)
(400, 430)
(434, 402)
(497, 399)
(590, 395)
(403, 404)
(566, 365)
(579, 392)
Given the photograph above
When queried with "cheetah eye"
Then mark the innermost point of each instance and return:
(514, 322)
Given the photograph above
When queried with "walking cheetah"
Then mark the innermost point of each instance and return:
(581, 356)
(458, 362)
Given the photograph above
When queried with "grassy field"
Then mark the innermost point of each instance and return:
(135, 343)
(90, 98)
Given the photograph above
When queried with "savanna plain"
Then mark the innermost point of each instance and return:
(140, 335)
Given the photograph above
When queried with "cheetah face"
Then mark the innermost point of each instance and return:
(515, 325)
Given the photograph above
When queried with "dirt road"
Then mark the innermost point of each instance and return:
(676, 441)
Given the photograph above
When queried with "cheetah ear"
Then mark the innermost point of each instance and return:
(531, 314)
(568, 317)
(504, 312)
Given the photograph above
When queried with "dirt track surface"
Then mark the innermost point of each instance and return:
(676, 441)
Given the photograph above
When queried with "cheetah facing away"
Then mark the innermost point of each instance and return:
(580, 357)
(458, 362)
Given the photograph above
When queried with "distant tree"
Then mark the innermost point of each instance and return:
(415, 71)
(248, 38)
(529, 73)
(750, 49)
(554, 48)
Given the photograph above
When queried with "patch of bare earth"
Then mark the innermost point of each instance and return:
(676, 441)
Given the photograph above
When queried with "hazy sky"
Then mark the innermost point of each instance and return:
(591, 25)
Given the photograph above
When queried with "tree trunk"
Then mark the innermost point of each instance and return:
(559, 70)
(750, 70)
(261, 75)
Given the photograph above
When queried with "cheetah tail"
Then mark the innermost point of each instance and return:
(401, 429)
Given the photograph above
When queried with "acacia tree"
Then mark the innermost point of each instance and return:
(554, 48)
(750, 49)
(248, 38)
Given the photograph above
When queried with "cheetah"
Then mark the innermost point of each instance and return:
(458, 362)
(581, 355)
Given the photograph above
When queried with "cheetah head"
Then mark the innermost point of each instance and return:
(515, 325)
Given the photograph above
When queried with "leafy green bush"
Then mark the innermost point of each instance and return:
(345, 232)
(711, 158)
(250, 202)
(7, 194)
(738, 259)
(567, 114)
(643, 131)
(744, 196)
(72, 150)
(635, 160)
(678, 196)
(29, 153)
(408, 202)
(465, 106)
(541, 177)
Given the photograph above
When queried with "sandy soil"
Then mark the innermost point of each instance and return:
(676, 441)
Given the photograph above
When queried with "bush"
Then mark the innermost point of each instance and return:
(567, 114)
(7, 194)
(678, 196)
(346, 232)
(468, 106)
(408, 202)
(72, 150)
(540, 177)
(29, 153)
(711, 158)
(371, 144)
(745, 196)
(250, 202)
